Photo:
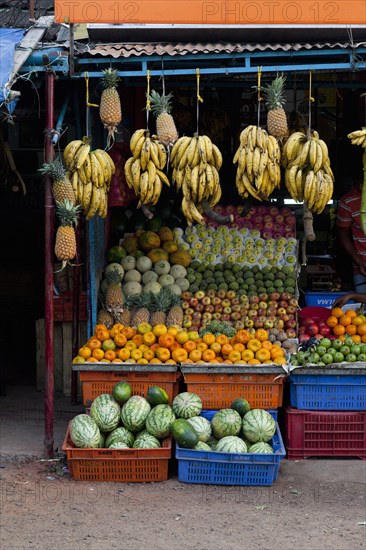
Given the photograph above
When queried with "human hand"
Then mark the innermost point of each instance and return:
(362, 268)
(342, 300)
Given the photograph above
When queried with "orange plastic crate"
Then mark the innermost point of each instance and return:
(219, 388)
(95, 382)
(128, 465)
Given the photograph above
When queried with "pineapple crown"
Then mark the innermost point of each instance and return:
(67, 213)
(110, 78)
(113, 276)
(164, 301)
(274, 93)
(55, 169)
(160, 103)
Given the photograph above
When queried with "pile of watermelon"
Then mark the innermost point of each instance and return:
(235, 430)
(123, 420)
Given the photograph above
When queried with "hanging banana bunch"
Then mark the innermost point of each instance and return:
(144, 170)
(90, 173)
(308, 175)
(358, 137)
(258, 158)
(196, 162)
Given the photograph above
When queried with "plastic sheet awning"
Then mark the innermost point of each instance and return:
(9, 38)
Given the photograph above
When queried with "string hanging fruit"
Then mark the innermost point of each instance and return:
(90, 172)
(61, 186)
(258, 158)
(65, 244)
(144, 171)
(196, 162)
(110, 111)
(275, 100)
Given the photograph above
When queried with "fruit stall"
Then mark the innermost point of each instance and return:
(191, 231)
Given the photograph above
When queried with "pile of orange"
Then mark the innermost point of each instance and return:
(159, 344)
(349, 323)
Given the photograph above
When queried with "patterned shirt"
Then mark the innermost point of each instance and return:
(348, 216)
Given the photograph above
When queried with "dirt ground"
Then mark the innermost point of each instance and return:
(314, 505)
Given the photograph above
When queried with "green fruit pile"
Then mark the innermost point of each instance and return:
(326, 352)
(242, 279)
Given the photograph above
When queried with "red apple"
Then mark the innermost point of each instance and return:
(235, 316)
(253, 299)
(254, 306)
(236, 308)
(225, 317)
(199, 294)
(225, 302)
(221, 293)
(186, 295)
(230, 294)
(324, 330)
(193, 302)
(279, 324)
(235, 301)
(185, 305)
(219, 308)
(200, 307)
(216, 316)
(291, 323)
(216, 301)
(291, 332)
(312, 329)
(262, 304)
(303, 337)
(275, 296)
(268, 323)
(189, 311)
(293, 302)
(211, 293)
(291, 309)
(281, 311)
(286, 296)
(227, 309)
(249, 323)
(279, 218)
(206, 301)
(263, 297)
(239, 325)
(262, 311)
(283, 303)
(210, 308)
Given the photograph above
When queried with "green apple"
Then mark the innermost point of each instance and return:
(362, 357)
(321, 350)
(191, 238)
(244, 231)
(337, 344)
(327, 358)
(290, 259)
(338, 357)
(184, 246)
(351, 358)
(281, 241)
(197, 245)
(211, 258)
(356, 349)
(345, 350)
(326, 343)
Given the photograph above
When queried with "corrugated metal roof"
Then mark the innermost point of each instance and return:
(181, 49)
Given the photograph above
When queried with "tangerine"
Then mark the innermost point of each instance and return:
(345, 320)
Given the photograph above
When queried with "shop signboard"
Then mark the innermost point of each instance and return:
(208, 12)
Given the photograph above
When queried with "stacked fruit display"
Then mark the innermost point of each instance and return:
(244, 246)
(325, 351)
(123, 421)
(160, 344)
(340, 324)
(271, 221)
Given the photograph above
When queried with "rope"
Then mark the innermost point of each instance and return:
(88, 104)
(199, 98)
(259, 98)
(311, 100)
(148, 102)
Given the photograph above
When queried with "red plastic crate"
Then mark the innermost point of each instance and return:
(94, 382)
(325, 433)
(122, 465)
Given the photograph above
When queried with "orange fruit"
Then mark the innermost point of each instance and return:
(170, 362)
(264, 355)
(130, 345)
(247, 355)
(193, 335)
(234, 356)
(85, 352)
(332, 321)
(242, 336)
(148, 354)
(189, 346)
(357, 321)
(148, 338)
(216, 347)
(182, 337)
(136, 354)
(254, 362)
(267, 345)
(173, 331)
(202, 346)
(208, 339)
(261, 334)
(222, 339)
(239, 347)
(345, 320)
(160, 329)
(180, 355)
(226, 349)
(98, 354)
(138, 339)
(143, 361)
(339, 330)
(356, 339)
(94, 343)
(163, 354)
(351, 329)
(124, 354)
(110, 354)
(208, 355)
(351, 313)
(92, 360)
(195, 355)
(361, 329)
(337, 312)
(254, 344)
(166, 340)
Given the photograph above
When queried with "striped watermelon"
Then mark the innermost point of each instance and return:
(226, 422)
(120, 434)
(159, 421)
(212, 443)
(146, 441)
(119, 444)
(134, 413)
(186, 404)
(84, 432)
(258, 425)
(261, 448)
(106, 412)
(202, 427)
(201, 446)
(231, 444)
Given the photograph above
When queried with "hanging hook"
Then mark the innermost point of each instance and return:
(162, 74)
(148, 102)
(86, 76)
(259, 97)
(199, 98)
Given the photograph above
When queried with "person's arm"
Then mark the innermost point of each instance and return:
(346, 242)
(358, 298)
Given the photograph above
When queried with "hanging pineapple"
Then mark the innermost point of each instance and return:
(65, 245)
(61, 186)
(275, 100)
(110, 105)
(161, 106)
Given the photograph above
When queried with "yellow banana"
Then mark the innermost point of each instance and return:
(157, 190)
(163, 156)
(191, 151)
(208, 145)
(143, 186)
(202, 188)
(70, 152)
(178, 178)
(87, 194)
(136, 172)
(217, 157)
(244, 135)
(313, 151)
(181, 142)
(324, 149)
(145, 154)
(237, 154)
(319, 157)
(183, 158)
(164, 178)
(135, 138)
(301, 159)
(202, 150)
(291, 146)
(106, 168)
(81, 174)
(256, 161)
(186, 211)
(357, 134)
(99, 168)
(80, 156)
(194, 179)
(94, 203)
(154, 153)
(299, 184)
(151, 169)
(249, 162)
(196, 215)
(128, 172)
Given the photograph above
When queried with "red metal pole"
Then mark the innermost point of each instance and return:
(48, 260)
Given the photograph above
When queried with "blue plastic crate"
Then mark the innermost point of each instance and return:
(321, 298)
(328, 392)
(209, 413)
(217, 468)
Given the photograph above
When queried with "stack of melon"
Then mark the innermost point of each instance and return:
(121, 421)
